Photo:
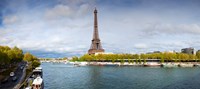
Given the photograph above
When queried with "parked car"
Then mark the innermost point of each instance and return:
(22, 67)
(12, 74)
(14, 79)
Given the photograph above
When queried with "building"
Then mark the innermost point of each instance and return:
(187, 50)
(96, 42)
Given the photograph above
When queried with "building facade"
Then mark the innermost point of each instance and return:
(187, 50)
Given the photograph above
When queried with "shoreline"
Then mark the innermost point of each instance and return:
(142, 64)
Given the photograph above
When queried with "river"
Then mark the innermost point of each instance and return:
(64, 76)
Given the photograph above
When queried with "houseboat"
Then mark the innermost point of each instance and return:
(38, 83)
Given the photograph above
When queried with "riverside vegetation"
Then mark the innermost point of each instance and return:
(138, 58)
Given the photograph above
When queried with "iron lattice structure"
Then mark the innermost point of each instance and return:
(96, 42)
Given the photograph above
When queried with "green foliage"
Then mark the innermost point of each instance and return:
(10, 55)
(122, 61)
(145, 61)
(28, 57)
(136, 61)
(35, 63)
(131, 58)
(198, 55)
(75, 58)
(140, 61)
(129, 61)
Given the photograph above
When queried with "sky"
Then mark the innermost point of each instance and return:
(64, 28)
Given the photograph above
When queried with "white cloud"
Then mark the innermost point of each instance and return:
(59, 11)
(140, 46)
(173, 29)
(67, 28)
(10, 20)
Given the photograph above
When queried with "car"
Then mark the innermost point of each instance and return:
(12, 74)
(14, 79)
(22, 67)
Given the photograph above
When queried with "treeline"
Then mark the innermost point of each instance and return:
(164, 57)
(11, 56)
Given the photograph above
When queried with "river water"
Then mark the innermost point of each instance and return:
(63, 76)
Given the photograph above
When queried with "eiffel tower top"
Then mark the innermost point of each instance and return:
(96, 43)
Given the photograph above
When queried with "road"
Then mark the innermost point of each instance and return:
(18, 73)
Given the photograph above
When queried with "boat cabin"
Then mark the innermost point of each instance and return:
(38, 83)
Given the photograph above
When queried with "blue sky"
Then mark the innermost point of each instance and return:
(58, 28)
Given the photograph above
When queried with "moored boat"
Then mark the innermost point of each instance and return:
(170, 65)
(37, 72)
(153, 64)
(38, 83)
(198, 65)
(186, 65)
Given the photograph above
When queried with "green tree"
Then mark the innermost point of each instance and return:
(35, 64)
(136, 61)
(198, 54)
(28, 57)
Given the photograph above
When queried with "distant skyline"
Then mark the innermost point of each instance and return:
(59, 28)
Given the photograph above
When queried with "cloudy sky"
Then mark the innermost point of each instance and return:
(58, 28)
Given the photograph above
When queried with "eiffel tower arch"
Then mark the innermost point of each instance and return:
(96, 46)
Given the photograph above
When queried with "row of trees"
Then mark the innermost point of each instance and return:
(10, 56)
(32, 60)
(166, 56)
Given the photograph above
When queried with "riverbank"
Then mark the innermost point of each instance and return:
(142, 64)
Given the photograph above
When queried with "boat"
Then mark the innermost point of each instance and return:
(38, 83)
(169, 65)
(152, 64)
(35, 80)
(78, 64)
(186, 65)
(198, 65)
(37, 72)
(38, 68)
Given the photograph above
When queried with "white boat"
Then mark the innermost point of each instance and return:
(170, 65)
(83, 63)
(186, 65)
(38, 83)
(37, 72)
(80, 64)
(38, 68)
(152, 64)
(28, 87)
(197, 65)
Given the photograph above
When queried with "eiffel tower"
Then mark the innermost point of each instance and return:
(96, 44)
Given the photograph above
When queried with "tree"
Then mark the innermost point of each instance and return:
(198, 54)
(136, 61)
(145, 61)
(28, 57)
(74, 58)
(4, 58)
(35, 64)
(129, 61)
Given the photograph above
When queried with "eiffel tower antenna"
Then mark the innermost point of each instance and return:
(96, 43)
